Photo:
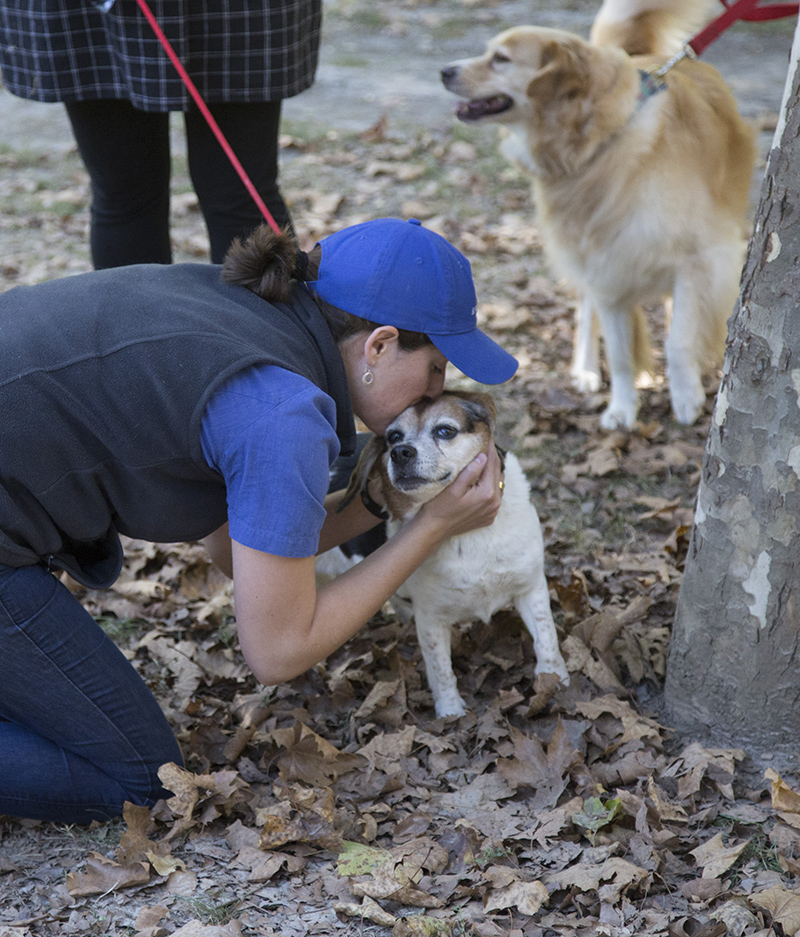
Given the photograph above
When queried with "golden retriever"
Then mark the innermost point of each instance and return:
(641, 186)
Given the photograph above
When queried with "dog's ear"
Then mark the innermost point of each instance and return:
(373, 450)
(480, 407)
(563, 71)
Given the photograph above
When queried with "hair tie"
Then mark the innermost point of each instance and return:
(300, 265)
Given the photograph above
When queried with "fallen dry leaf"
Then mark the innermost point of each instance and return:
(306, 815)
(697, 763)
(783, 905)
(421, 925)
(737, 918)
(134, 843)
(691, 927)
(610, 878)
(393, 874)
(544, 770)
(367, 910)
(715, 858)
(198, 929)
(103, 875)
(525, 897)
(785, 800)
(219, 790)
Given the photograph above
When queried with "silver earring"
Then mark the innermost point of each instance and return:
(367, 377)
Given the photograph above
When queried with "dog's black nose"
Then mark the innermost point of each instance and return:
(403, 454)
(448, 73)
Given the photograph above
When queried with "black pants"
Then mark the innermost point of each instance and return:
(127, 155)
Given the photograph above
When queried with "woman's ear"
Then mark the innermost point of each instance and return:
(379, 342)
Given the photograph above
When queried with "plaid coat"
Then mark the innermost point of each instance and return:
(239, 50)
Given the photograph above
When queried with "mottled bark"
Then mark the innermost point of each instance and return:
(733, 672)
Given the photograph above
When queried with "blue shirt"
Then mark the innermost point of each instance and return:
(271, 434)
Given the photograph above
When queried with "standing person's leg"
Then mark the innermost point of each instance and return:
(80, 732)
(126, 153)
(228, 208)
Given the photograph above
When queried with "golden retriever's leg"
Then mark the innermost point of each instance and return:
(704, 297)
(434, 641)
(585, 370)
(534, 609)
(618, 337)
(684, 372)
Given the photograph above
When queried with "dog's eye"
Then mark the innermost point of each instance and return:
(445, 432)
(393, 436)
(500, 58)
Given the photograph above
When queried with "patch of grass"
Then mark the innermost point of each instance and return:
(226, 633)
(551, 453)
(762, 852)
(63, 208)
(454, 27)
(20, 159)
(575, 533)
(365, 18)
(212, 909)
(492, 854)
(101, 838)
(180, 168)
(618, 528)
(304, 132)
(121, 630)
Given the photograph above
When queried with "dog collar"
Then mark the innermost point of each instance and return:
(372, 505)
(650, 84)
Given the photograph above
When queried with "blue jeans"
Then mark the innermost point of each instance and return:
(80, 732)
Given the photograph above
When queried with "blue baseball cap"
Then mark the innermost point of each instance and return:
(399, 273)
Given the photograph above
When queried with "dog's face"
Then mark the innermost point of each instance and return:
(567, 94)
(423, 451)
(519, 66)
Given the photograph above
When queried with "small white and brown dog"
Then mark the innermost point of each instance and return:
(641, 172)
(473, 575)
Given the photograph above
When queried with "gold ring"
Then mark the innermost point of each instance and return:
(501, 485)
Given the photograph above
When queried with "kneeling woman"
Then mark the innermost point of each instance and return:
(191, 402)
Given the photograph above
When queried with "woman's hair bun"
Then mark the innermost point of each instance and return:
(264, 262)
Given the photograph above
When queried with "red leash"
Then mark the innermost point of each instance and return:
(208, 115)
(740, 10)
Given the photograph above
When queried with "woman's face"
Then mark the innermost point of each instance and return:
(400, 378)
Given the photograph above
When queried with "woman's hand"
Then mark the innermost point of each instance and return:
(473, 499)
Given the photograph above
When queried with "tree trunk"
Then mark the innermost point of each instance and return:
(733, 672)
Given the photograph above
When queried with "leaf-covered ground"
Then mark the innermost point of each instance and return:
(338, 804)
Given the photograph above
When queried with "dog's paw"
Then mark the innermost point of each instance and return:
(614, 418)
(556, 666)
(586, 382)
(687, 407)
(450, 706)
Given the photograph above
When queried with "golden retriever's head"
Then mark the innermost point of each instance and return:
(567, 94)
(500, 84)
(423, 450)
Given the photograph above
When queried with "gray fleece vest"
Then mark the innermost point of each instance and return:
(104, 378)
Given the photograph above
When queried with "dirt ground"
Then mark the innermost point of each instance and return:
(338, 804)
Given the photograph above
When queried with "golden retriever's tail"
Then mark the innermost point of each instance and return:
(649, 27)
